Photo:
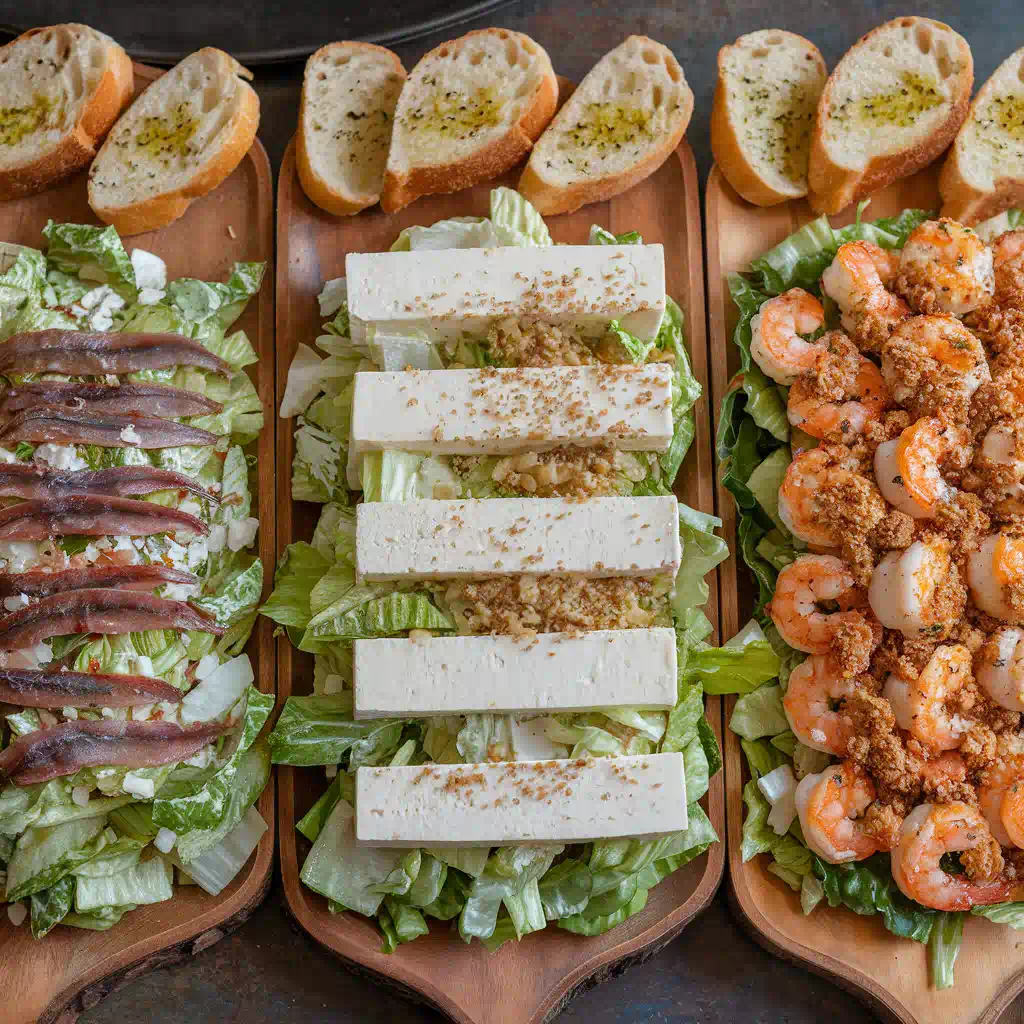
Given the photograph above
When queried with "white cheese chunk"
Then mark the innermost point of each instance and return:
(585, 286)
(500, 411)
(551, 672)
(505, 803)
(602, 537)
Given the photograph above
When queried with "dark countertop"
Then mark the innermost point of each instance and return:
(267, 973)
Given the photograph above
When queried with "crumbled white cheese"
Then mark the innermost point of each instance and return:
(138, 786)
(202, 758)
(144, 665)
(165, 839)
(218, 537)
(19, 554)
(102, 302)
(60, 456)
(6, 456)
(151, 296)
(242, 532)
(91, 552)
(80, 795)
(150, 270)
(198, 552)
(191, 507)
(180, 591)
(15, 601)
(92, 298)
(71, 714)
(123, 543)
(129, 435)
(208, 663)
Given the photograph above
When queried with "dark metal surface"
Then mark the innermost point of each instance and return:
(713, 973)
(255, 33)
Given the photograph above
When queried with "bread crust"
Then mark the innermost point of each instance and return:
(78, 147)
(486, 163)
(317, 189)
(833, 188)
(728, 150)
(159, 211)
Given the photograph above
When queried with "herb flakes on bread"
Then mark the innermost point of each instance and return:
(349, 93)
(179, 140)
(469, 110)
(620, 125)
(984, 172)
(769, 83)
(61, 89)
(891, 106)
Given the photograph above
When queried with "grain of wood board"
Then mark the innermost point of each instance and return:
(525, 981)
(72, 969)
(857, 953)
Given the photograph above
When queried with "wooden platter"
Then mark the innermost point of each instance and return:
(856, 953)
(528, 981)
(72, 969)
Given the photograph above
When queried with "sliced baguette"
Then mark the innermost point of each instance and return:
(890, 107)
(349, 93)
(769, 83)
(179, 140)
(620, 125)
(469, 111)
(984, 172)
(62, 88)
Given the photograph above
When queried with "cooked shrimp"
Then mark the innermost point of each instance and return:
(931, 831)
(805, 488)
(995, 576)
(918, 590)
(814, 597)
(948, 767)
(933, 364)
(1000, 461)
(945, 268)
(1008, 259)
(999, 667)
(814, 701)
(829, 805)
(908, 468)
(775, 343)
(947, 672)
(840, 395)
(856, 281)
(1001, 798)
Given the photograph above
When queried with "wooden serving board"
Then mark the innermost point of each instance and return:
(528, 981)
(857, 953)
(72, 969)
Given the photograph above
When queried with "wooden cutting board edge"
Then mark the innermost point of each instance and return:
(297, 901)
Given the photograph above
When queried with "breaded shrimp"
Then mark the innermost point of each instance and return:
(803, 591)
(814, 701)
(933, 365)
(840, 395)
(805, 489)
(856, 281)
(1001, 798)
(995, 576)
(830, 805)
(942, 679)
(918, 590)
(1008, 259)
(908, 469)
(776, 345)
(945, 268)
(999, 667)
(931, 831)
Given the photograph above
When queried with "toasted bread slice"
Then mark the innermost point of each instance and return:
(349, 93)
(890, 107)
(620, 125)
(769, 83)
(469, 111)
(984, 172)
(62, 88)
(179, 140)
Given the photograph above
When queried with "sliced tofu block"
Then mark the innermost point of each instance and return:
(447, 293)
(502, 411)
(435, 540)
(550, 672)
(512, 802)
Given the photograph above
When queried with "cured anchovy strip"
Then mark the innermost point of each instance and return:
(65, 749)
(99, 611)
(82, 353)
(23, 480)
(96, 577)
(93, 515)
(33, 688)
(52, 424)
(143, 399)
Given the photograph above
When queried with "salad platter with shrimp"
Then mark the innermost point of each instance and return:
(874, 446)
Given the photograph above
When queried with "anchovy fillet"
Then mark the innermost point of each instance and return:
(24, 480)
(53, 424)
(95, 577)
(93, 515)
(87, 353)
(34, 688)
(65, 749)
(144, 399)
(99, 611)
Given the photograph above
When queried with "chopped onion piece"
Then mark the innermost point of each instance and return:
(779, 789)
(165, 840)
